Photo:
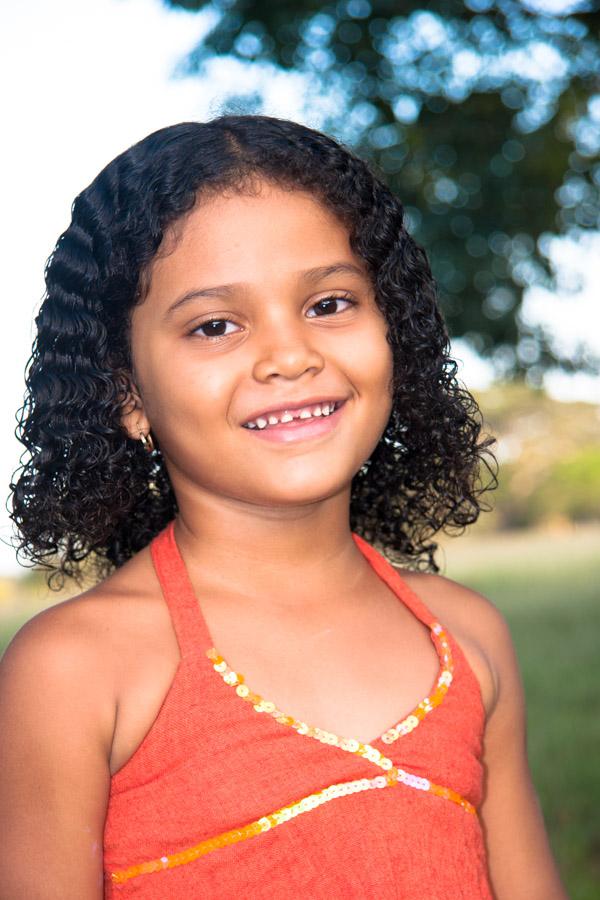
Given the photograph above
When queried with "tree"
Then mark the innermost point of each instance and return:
(483, 116)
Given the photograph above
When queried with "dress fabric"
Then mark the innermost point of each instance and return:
(211, 763)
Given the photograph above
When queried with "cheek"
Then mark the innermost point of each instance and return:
(181, 396)
(374, 362)
(186, 396)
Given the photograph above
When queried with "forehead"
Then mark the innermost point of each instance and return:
(234, 236)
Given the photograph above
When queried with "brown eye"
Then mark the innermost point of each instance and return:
(331, 305)
(213, 328)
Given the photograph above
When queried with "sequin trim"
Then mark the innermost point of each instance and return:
(351, 745)
(393, 777)
(443, 682)
(408, 724)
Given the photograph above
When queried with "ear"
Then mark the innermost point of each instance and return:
(133, 415)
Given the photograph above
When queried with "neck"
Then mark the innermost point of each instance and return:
(254, 551)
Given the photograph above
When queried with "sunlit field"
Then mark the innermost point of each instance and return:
(547, 583)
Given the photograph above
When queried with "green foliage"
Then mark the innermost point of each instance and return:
(571, 488)
(549, 455)
(483, 116)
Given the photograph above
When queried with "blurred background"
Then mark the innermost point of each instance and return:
(484, 117)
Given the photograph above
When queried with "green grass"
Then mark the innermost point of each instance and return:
(548, 587)
(550, 601)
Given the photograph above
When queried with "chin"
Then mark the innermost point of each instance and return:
(303, 493)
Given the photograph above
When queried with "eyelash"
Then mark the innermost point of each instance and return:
(217, 337)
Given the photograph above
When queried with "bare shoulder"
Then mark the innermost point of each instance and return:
(449, 598)
(72, 643)
(477, 625)
(71, 633)
(97, 639)
(64, 641)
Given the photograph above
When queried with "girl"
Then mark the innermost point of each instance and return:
(241, 388)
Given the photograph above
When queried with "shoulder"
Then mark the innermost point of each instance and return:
(86, 639)
(62, 647)
(459, 605)
(476, 624)
(60, 637)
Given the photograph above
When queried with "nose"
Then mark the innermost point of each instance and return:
(288, 353)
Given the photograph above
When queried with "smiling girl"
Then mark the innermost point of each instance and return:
(243, 413)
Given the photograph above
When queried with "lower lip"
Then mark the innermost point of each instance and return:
(298, 429)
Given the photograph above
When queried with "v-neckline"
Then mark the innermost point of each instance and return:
(244, 693)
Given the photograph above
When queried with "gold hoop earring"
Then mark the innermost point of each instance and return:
(147, 442)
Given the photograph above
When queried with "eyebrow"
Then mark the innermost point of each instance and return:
(312, 275)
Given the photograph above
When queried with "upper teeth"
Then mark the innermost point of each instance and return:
(307, 412)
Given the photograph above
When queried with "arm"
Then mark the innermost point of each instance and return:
(519, 856)
(56, 726)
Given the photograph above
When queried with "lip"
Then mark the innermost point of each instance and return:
(299, 429)
(300, 404)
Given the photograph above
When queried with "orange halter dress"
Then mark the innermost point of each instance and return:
(229, 797)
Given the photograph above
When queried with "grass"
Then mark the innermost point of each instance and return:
(547, 584)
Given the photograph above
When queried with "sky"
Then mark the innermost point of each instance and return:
(83, 81)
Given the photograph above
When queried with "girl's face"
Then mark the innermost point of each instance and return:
(257, 306)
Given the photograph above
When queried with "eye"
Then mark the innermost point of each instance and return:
(214, 328)
(330, 305)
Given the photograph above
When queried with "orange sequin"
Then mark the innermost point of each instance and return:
(392, 778)
(393, 775)
(405, 726)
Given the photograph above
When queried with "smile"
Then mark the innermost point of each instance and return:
(298, 424)
(284, 416)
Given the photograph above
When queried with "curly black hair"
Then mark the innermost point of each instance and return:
(86, 488)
